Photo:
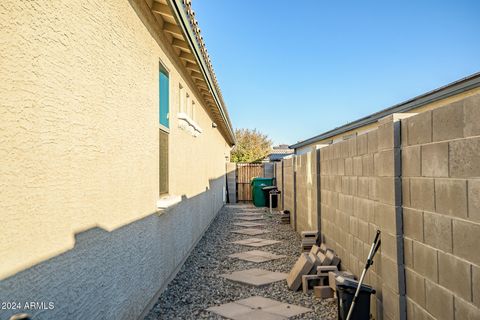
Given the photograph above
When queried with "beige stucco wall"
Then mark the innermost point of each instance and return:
(79, 149)
(364, 129)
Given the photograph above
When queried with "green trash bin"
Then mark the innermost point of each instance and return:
(258, 196)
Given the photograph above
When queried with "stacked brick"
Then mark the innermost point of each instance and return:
(441, 199)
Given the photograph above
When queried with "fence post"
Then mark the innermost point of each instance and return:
(319, 198)
(283, 186)
(294, 170)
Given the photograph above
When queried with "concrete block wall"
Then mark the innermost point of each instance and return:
(268, 170)
(360, 193)
(232, 182)
(279, 182)
(289, 188)
(417, 179)
(306, 168)
(441, 200)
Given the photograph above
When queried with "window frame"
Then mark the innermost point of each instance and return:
(163, 69)
(164, 135)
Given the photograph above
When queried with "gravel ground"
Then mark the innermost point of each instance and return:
(197, 285)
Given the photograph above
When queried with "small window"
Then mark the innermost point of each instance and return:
(188, 102)
(182, 99)
(193, 111)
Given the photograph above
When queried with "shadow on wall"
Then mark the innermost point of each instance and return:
(117, 274)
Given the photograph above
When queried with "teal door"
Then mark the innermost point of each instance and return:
(164, 99)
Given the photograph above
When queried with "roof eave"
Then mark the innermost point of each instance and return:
(182, 18)
(453, 88)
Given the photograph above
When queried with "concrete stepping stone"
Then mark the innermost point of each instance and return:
(255, 277)
(230, 310)
(256, 242)
(249, 218)
(259, 308)
(287, 310)
(256, 256)
(249, 214)
(248, 224)
(258, 302)
(259, 315)
(250, 231)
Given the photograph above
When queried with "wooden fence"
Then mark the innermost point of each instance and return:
(244, 174)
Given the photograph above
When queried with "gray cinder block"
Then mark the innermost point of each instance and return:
(435, 160)
(466, 240)
(455, 275)
(420, 128)
(439, 302)
(411, 165)
(438, 231)
(302, 267)
(464, 158)
(425, 261)
(472, 116)
(415, 287)
(422, 194)
(451, 197)
(323, 292)
(448, 122)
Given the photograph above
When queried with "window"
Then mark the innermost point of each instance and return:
(163, 105)
(163, 164)
(188, 102)
(164, 97)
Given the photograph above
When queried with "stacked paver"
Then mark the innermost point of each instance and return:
(316, 270)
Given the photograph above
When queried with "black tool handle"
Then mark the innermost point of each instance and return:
(376, 245)
(377, 236)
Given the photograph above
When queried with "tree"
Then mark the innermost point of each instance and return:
(251, 146)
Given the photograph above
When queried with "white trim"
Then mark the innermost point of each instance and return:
(185, 122)
(163, 128)
(168, 201)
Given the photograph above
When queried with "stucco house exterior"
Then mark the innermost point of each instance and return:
(114, 142)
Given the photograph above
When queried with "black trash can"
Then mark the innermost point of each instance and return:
(266, 192)
(345, 292)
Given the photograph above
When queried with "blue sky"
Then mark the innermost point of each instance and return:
(294, 69)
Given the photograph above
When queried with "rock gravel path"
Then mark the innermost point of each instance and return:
(198, 286)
